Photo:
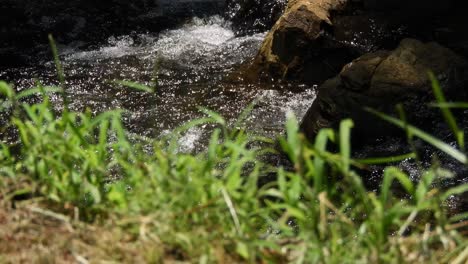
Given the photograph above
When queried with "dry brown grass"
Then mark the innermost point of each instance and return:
(29, 234)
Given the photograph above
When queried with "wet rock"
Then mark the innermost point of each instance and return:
(295, 44)
(382, 79)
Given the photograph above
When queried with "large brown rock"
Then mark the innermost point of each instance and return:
(288, 46)
(381, 80)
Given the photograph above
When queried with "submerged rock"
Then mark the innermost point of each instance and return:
(382, 79)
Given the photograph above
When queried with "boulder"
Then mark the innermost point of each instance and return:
(298, 33)
(382, 79)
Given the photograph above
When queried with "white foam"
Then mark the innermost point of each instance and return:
(116, 48)
(187, 143)
(198, 37)
(290, 102)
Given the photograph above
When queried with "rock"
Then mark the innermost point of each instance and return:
(382, 79)
(295, 42)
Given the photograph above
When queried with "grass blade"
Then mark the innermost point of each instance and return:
(60, 73)
(320, 178)
(232, 210)
(217, 118)
(6, 90)
(442, 146)
(134, 85)
(383, 160)
(345, 143)
(390, 174)
(39, 90)
(450, 105)
(448, 116)
(245, 113)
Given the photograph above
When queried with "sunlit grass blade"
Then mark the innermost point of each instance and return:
(134, 85)
(424, 186)
(232, 210)
(214, 141)
(459, 217)
(58, 64)
(461, 189)
(402, 114)
(345, 144)
(442, 146)
(450, 105)
(462, 257)
(390, 174)
(196, 122)
(103, 117)
(154, 77)
(292, 144)
(384, 160)
(39, 90)
(452, 256)
(6, 90)
(60, 72)
(318, 171)
(213, 115)
(448, 116)
(245, 113)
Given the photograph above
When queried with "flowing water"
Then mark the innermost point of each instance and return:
(191, 66)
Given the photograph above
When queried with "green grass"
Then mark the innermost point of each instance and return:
(201, 206)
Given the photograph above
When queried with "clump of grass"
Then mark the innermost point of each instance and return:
(69, 155)
(209, 207)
